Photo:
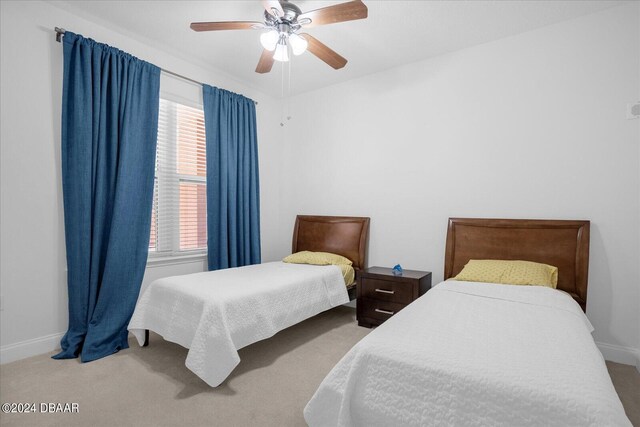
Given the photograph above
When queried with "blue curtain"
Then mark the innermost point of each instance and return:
(233, 193)
(110, 107)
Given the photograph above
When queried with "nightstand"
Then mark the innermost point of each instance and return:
(381, 294)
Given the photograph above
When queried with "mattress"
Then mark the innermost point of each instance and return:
(216, 313)
(474, 354)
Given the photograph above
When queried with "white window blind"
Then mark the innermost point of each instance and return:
(179, 218)
(153, 239)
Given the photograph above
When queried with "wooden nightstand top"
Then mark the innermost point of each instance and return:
(387, 273)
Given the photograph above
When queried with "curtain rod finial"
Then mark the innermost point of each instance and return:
(59, 33)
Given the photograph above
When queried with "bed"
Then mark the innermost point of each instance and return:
(471, 353)
(216, 313)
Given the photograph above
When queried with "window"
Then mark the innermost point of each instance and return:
(179, 216)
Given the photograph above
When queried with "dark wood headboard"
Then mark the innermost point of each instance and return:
(342, 235)
(563, 244)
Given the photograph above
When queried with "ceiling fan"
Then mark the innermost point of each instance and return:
(283, 21)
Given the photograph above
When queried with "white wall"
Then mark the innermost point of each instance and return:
(32, 263)
(531, 126)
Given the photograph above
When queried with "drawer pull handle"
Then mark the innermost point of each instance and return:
(384, 291)
(390, 313)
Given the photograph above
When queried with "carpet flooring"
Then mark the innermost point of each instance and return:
(152, 387)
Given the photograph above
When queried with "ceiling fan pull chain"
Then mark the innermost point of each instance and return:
(286, 107)
(289, 94)
(282, 112)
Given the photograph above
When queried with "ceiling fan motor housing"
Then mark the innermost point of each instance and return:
(291, 13)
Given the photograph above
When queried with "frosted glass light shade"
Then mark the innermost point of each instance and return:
(281, 53)
(269, 40)
(298, 44)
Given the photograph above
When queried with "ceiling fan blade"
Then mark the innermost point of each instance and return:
(228, 25)
(269, 5)
(266, 62)
(342, 12)
(323, 52)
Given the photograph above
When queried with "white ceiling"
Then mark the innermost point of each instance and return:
(396, 32)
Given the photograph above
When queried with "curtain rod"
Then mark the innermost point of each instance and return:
(61, 31)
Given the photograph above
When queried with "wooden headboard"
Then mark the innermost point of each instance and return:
(342, 235)
(564, 244)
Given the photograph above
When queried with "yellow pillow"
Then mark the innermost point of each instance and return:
(325, 258)
(509, 272)
(348, 273)
(317, 258)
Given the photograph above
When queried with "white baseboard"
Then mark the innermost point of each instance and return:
(28, 348)
(619, 354)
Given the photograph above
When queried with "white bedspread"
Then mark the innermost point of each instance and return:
(474, 354)
(216, 313)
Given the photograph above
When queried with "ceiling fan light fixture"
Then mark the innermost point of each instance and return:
(282, 53)
(298, 44)
(269, 40)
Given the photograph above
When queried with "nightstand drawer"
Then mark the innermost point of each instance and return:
(386, 290)
(381, 294)
(379, 310)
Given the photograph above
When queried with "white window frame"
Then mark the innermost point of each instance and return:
(168, 235)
